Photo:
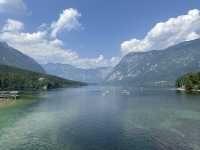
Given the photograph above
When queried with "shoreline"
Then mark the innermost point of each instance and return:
(23, 101)
(184, 90)
(6, 102)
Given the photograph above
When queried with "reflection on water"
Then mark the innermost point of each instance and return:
(105, 118)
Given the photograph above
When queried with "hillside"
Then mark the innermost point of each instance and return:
(12, 57)
(12, 78)
(158, 66)
(70, 72)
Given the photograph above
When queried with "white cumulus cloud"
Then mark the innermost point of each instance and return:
(47, 49)
(68, 20)
(165, 34)
(13, 6)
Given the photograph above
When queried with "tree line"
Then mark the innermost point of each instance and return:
(12, 78)
(189, 82)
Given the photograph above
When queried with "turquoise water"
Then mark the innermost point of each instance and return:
(104, 118)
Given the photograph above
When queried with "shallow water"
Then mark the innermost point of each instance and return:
(104, 118)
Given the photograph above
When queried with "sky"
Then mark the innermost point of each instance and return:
(96, 33)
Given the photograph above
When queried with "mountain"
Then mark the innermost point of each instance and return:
(70, 72)
(157, 66)
(12, 57)
(19, 79)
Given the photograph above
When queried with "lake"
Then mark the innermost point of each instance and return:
(104, 118)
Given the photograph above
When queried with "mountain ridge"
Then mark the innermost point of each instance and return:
(157, 65)
(12, 57)
(70, 72)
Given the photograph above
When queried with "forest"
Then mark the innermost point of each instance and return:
(12, 78)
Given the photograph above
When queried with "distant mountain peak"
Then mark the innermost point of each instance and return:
(70, 72)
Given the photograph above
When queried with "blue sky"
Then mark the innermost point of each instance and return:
(103, 26)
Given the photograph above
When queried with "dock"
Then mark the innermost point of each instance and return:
(9, 95)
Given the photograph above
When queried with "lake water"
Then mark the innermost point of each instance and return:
(104, 118)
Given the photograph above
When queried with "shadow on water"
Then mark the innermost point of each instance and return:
(107, 118)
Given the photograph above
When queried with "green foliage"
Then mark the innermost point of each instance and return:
(189, 81)
(12, 78)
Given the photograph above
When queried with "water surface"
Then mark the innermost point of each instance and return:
(104, 118)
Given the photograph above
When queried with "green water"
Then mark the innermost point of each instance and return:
(104, 118)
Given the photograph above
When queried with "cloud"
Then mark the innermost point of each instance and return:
(13, 6)
(165, 34)
(13, 26)
(68, 20)
(115, 60)
(47, 49)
